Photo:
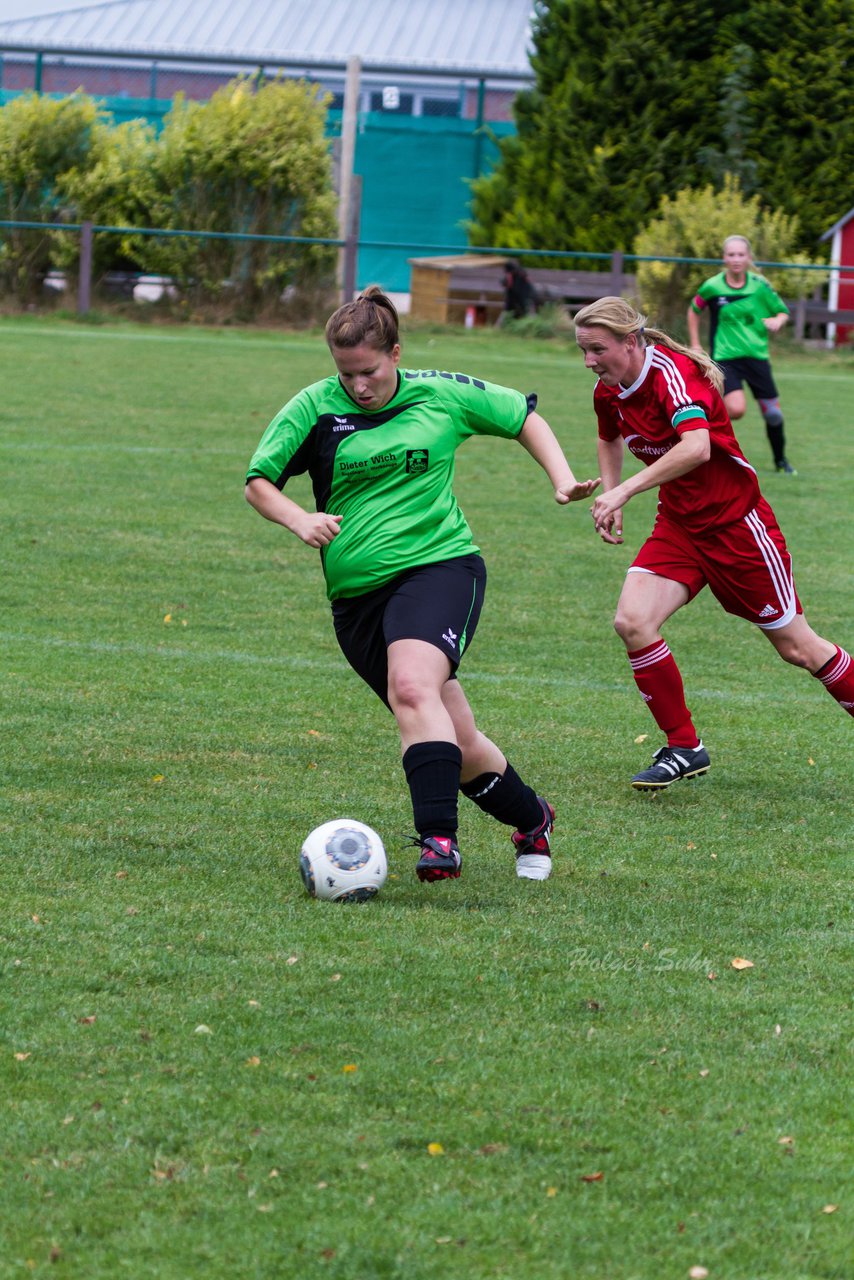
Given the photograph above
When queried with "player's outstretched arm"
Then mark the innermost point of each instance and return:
(314, 528)
(540, 441)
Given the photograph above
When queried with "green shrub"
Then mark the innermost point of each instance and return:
(250, 162)
(552, 320)
(694, 224)
(117, 189)
(247, 161)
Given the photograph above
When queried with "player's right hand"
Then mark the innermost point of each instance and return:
(318, 529)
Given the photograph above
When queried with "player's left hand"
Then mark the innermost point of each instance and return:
(576, 491)
(607, 513)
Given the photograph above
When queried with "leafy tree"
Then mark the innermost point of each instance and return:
(632, 103)
(800, 100)
(731, 159)
(41, 141)
(615, 119)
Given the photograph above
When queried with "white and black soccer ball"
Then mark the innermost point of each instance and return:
(343, 861)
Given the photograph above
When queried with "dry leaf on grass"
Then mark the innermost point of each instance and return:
(740, 963)
(592, 1177)
(435, 1149)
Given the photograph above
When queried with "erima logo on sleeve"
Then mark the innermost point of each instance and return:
(417, 461)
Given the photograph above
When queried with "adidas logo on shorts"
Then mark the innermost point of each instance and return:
(769, 611)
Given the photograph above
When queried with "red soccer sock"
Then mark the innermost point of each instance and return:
(657, 677)
(837, 676)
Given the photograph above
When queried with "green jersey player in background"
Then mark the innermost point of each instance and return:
(743, 311)
(403, 574)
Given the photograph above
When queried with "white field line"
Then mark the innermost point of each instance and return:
(331, 666)
(238, 342)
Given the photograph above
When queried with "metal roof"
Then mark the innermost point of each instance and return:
(474, 37)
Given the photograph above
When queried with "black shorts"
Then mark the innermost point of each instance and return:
(756, 373)
(439, 603)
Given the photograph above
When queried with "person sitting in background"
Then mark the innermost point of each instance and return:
(520, 298)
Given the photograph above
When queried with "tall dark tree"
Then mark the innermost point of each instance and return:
(635, 101)
(801, 106)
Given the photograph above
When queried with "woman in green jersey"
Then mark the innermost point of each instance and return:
(404, 576)
(743, 311)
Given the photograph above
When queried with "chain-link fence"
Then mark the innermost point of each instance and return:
(443, 286)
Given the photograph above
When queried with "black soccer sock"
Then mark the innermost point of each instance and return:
(433, 773)
(777, 441)
(506, 797)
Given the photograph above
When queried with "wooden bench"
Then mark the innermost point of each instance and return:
(813, 314)
(469, 288)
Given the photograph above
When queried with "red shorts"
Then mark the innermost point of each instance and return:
(746, 565)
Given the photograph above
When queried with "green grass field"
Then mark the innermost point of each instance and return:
(206, 1073)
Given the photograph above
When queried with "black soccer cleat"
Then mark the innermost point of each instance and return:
(533, 848)
(440, 859)
(670, 764)
(785, 467)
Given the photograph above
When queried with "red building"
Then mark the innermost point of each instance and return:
(841, 290)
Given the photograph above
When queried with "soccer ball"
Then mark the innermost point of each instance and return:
(343, 861)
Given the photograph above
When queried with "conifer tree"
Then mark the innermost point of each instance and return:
(633, 102)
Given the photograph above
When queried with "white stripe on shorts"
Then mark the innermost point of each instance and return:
(781, 578)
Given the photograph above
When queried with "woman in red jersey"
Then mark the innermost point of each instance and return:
(662, 401)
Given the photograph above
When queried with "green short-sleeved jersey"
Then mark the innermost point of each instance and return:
(387, 473)
(736, 315)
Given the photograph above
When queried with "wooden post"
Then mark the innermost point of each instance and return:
(617, 278)
(84, 285)
(478, 128)
(351, 246)
(348, 153)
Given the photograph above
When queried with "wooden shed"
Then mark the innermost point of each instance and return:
(444, 289)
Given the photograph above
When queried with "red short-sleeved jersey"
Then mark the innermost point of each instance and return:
(669, 397)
